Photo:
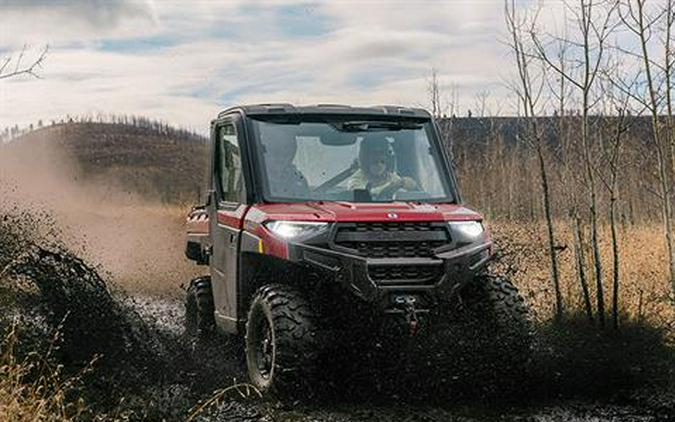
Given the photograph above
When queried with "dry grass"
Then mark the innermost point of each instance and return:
(644, 294)
(35, 389)
(242, 390)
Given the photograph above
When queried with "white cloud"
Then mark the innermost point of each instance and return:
(202, 56)
(44, 21)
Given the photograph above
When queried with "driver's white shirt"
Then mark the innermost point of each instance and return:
(359, 180)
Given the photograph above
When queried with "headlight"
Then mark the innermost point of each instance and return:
(295, 229)
(467, 231)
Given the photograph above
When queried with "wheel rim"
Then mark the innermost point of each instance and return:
(264, 348)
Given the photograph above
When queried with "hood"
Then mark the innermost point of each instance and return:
(355, 212)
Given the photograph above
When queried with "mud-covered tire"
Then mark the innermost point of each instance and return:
(496, 302)
(282, 346)
(199, 319)
(502, 330)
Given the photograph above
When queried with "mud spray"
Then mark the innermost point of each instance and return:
(126, 311)
(123, 312)
(136, 243)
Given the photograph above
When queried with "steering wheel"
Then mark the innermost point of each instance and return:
(388, 192)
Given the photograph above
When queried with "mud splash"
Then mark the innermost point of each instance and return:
(135, 242)
(52, 225)
(48, 289)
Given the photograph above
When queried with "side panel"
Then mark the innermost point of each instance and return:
(224, 268)
(227, 209)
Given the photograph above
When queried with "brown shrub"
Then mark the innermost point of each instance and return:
(644, 294)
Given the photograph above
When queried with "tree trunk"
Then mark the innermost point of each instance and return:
(551, 235)
(590, 176)
(580, 264)
(658, 143)
(615, 257)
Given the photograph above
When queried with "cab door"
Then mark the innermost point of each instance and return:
(226, 214)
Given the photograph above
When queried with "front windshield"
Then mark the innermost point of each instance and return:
(360, 161)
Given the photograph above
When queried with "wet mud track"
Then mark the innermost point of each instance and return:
(217, 362)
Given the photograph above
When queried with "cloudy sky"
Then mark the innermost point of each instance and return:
(182, 61)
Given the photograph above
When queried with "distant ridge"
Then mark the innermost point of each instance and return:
(137, 155)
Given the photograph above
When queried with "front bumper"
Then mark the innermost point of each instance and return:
(448, 271)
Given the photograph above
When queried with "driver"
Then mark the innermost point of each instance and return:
(285, 180)
(376, 169)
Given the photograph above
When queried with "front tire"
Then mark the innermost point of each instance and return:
(502, 331)
(496, 302)
(282, 348)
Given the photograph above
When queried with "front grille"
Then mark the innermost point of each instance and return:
(399, 275)
(382, 243)
(392, 240)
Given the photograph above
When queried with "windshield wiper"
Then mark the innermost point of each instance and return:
(373, 126)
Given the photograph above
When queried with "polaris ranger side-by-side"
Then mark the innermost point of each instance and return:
(324, 220)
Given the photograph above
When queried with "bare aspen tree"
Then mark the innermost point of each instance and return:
(580, 264)
(613, 188)
(434, 93)
(594, 24)
(16, 66)
(481, 100)
(669, 61)
(655, 79)
(442, 100)
(439, 107)
(561, 92)
(453, 104)
(612, 155)
(528, 88)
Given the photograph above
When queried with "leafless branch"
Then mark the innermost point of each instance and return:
(20, 68)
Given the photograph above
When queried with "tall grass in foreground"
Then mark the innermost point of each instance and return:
(34, 387)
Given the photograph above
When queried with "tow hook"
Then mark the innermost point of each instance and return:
(410, 312)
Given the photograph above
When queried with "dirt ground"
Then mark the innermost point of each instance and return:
(219, 364)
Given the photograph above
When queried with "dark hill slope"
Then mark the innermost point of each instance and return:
(158, 163)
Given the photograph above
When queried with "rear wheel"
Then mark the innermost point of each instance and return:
(282, 348)
(199, 318)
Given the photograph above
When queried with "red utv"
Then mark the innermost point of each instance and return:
(326, 220)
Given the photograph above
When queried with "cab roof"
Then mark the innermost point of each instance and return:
(340, 109)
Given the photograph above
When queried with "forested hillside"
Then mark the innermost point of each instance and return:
(136, 155)
(499, 171)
